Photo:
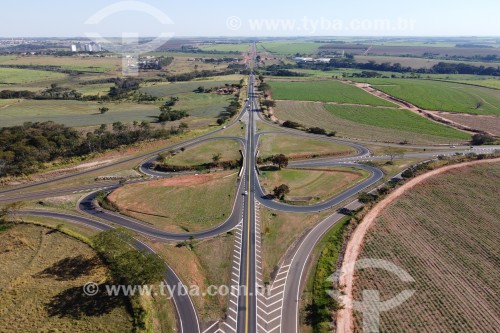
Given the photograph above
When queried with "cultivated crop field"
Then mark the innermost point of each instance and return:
(445, 234)
(41, 280)
(315, 114)
(17, 76)
(312, 186)
(288, 48)
(402, 120)
(243, 47)
(488, 83)
(442, 96)
(83, 64)
(417, 62)
(488, 124)
(271, 144)
(324, 91)
(167, 204)
(203, 153)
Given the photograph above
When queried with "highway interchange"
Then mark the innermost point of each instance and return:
(277, 310)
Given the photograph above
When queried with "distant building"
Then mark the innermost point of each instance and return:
(312, 60)
(300, 59)
(86, 47)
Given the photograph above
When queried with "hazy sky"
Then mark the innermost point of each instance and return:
(254, 18)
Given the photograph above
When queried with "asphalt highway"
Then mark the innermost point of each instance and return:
(248, 193)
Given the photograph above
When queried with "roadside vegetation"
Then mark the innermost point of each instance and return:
(271, 144)
(202, 263)
(214, 151)
(310, 186)
(168, 204)
(42, 284)
(279, 231)
(319, 306)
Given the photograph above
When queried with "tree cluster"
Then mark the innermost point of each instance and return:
(127, 265)
(27, 148)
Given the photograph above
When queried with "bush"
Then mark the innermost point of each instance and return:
(172, 115)
(291, 124)
(316, 130)
(366, 197)
(482, 139)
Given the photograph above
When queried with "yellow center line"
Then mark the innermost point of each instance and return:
(249, 219)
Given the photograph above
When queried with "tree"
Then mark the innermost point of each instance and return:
(317, 130)
(366, 197)
(291, 124)
(481, 139)
(103, 110)
(280, 191)
(280, 160)
(137, 268)
(220, 121)
(393, 152)
(112, 243)
(12, 210)
(216, 158)
(269, 103)
(128, 265)
(183, 127)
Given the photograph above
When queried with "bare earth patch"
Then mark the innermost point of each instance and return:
(489, 124)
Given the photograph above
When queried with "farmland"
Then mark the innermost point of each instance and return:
(271, 144)
(288, 48)
(444, 233)
(442, 96)
(488, 124)
(42, 275)
(83, 64)
(17, 76)
(417, 62)
(312, 186)
(324, 91)
(167, 204)
(243, 47)
(401, 120)
(315, 114)
(488, 83)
